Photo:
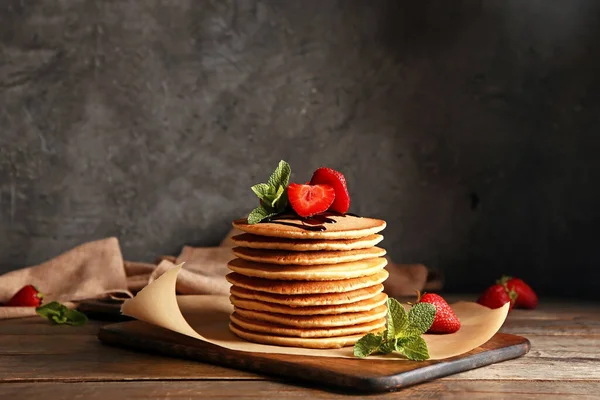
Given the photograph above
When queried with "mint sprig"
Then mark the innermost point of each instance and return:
(258, 214)
(272, 195)
(60, 314)
(403, 332)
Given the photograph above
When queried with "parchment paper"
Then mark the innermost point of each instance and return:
(206, 317)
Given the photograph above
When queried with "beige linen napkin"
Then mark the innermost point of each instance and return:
(97, 269)
(203, 272)
(91, 270)
(405, 279)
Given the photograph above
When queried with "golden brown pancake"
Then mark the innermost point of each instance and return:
(363, 305)
(347, 227)
(285, 257)
(311, 343)
(298, 284)
(305, 287)
(281, 330)
(315, 321)
(303, 300)
(272, 243)
(321, 272)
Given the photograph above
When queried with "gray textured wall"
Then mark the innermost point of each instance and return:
(470, 126)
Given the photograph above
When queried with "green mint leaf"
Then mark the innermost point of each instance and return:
(270, 196)
(420, 318)
(53, 309)
(397, 318)
(402, 334)
(367, 345)
(277, 196)
(277, 201)
(387, 346)
(258, 214)
(58, 319)
(281, 175)
(282, 199)
(273, 194)
(60, 314)
(263, 191)
(75, 318)
(413, 348)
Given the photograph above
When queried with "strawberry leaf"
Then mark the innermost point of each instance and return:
(503, 280)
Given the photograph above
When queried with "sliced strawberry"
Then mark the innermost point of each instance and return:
(335, 179)
(308, 200)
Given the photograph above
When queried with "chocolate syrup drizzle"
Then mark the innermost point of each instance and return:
(314, 223)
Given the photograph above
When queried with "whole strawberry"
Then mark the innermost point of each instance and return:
(445, 320)
(28, 296)
(526, 297)
(496, 296)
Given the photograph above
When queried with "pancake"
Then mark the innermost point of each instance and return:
(346, 227)
(280, 330)
(305, 300)
(311, 343)
(305, 287)
(315, 321)
(322, 272)
(285, 257)
(363, 305)
(271, 243)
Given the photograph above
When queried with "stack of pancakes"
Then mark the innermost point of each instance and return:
(305, 288)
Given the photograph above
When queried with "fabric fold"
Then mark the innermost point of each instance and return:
(91, 270)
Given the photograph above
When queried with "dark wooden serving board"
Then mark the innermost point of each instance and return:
(356, 374)
(103, 310)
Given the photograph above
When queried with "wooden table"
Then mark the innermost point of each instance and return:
(38, 360)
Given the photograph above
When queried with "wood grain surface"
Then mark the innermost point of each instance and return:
(354, 374)
(261, 390)
(55, 362)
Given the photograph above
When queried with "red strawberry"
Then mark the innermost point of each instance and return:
(308, 200)
(526, 297)
(28, 296)
(496, 296)
(445, 320)
(336, 180)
